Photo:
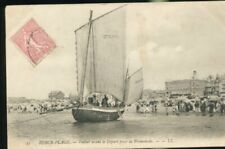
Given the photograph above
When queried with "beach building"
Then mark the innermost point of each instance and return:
(186, 87)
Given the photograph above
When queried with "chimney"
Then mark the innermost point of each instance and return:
(194, 77)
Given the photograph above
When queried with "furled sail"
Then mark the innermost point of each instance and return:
(134, 87)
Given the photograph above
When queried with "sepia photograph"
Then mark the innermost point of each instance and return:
(116, 75)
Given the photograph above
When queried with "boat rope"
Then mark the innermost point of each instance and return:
(76, 62)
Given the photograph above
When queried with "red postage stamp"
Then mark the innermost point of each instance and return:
(33, 41)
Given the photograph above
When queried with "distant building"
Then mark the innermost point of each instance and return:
(158, 94)
(149, 94)
(186, 87)
(196, 87)
(212, 88)
(215, 86)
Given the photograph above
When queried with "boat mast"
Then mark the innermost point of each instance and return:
(86, 56)
(126, 85)
(93, 57)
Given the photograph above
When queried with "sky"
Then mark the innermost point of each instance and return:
(169, 40)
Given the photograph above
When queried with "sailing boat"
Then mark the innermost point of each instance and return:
(102, 68)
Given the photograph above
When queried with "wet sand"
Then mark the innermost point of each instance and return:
(131, 125)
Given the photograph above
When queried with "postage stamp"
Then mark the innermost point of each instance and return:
(33, 41)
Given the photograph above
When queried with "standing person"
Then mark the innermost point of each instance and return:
(117, 102)
(166, 106)
(95, 101)
(187, 107)
(192, 107)
(179, 106)
(218, 106)
(176, 106)
(182, 105)
(24, 109)
(146, 109)
(211, 107)
(137, 107)
(203, 106)
(197, 106)
(222, 106)
(98, 103)
(90, 100)
(122, 104)
(105, 101)
(155, 105)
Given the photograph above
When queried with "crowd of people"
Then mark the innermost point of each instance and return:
(40, 108)
(103, 101)
(175, 105)
(147, 106)
(178, 105)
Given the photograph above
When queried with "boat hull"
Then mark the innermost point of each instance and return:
(96, 114)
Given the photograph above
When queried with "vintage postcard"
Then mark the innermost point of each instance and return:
(116, 75)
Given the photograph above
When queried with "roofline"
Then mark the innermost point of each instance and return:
(185, 80)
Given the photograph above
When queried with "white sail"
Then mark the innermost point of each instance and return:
(84, 57)
(89, 77)
(134, 87)
(106, 56)
(110, 53)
